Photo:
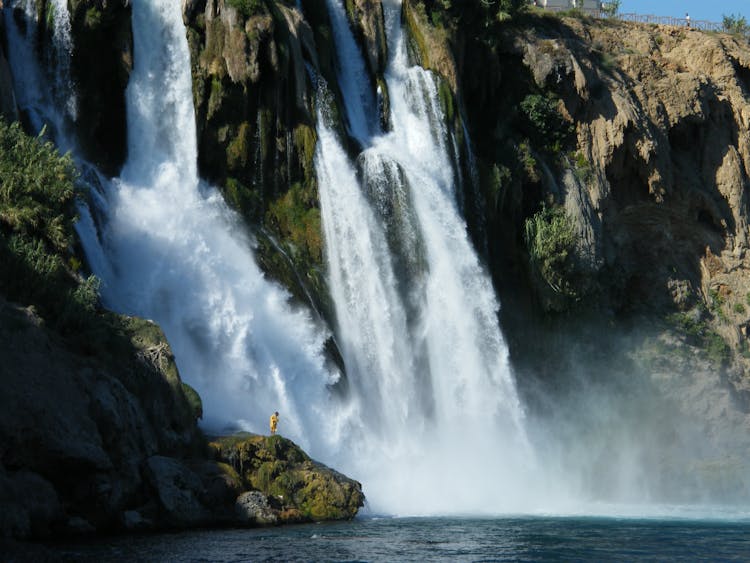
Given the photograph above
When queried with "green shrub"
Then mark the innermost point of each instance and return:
(699, 333)
(36, 232)
(550, 239)
(583, 169)
(739, 308)
(716, 304)
(36, 188)
(297, 218)
(736, 24)
(544, 122)
(193, 400)
(93, 18)
(716, 349)
(246, 8)
(611, 9)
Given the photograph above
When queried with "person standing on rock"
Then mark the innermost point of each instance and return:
(274, 422)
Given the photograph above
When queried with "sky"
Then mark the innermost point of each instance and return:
(711, 10)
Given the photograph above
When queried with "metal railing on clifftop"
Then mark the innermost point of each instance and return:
(702, 25)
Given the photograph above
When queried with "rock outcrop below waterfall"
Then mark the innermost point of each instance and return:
(92, 444)
(77, 430)
(97, 431)
(287, 486)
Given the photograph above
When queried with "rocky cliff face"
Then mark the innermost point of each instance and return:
(100, 65)
(110, 443)
(102, 59)
(8, 109)
(76, 430)
(639, 132)
(614, 166)
(256, 131)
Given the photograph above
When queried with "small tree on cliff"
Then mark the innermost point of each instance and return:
(735, 24)
(611, 8)
(501, 10)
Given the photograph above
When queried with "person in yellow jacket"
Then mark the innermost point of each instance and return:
(274, 422)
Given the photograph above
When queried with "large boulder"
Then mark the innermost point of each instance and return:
(297, 488)
(178, 489)
(82, 425)
(253, 508)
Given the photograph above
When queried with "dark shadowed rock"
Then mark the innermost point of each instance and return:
(82, 427)
(252, 508)
(29, 505)
(178, 490)
(8, 108)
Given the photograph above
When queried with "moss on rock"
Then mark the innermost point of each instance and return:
(299, 488)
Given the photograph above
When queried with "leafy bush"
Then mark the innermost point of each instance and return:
(544, 121)
(550, 239)
(697, 331)
(611, 8)
(717, 350)
(36, 188)
(735, 24)
(36, 231)
(246, 8)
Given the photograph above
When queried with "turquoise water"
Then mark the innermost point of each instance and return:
(438, 539)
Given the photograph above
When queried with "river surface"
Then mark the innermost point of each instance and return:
(440, 539)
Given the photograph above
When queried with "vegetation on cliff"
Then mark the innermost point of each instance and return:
(253, 99)
(36, 231)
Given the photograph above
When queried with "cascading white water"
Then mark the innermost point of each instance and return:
(429, 381)
(178, 255)
(354, 78)
(441, 422)
(433, 423)
(46, 104)
(62, 40)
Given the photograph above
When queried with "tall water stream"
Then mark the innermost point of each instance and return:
(416, 312)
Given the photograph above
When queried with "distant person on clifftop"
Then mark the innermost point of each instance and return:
(274, 422)
(687, 19)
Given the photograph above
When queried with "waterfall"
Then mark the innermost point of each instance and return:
(355, 82)
(63, 50)
(177, 254)
(431, 422)
(416, 312)
(51, 103)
